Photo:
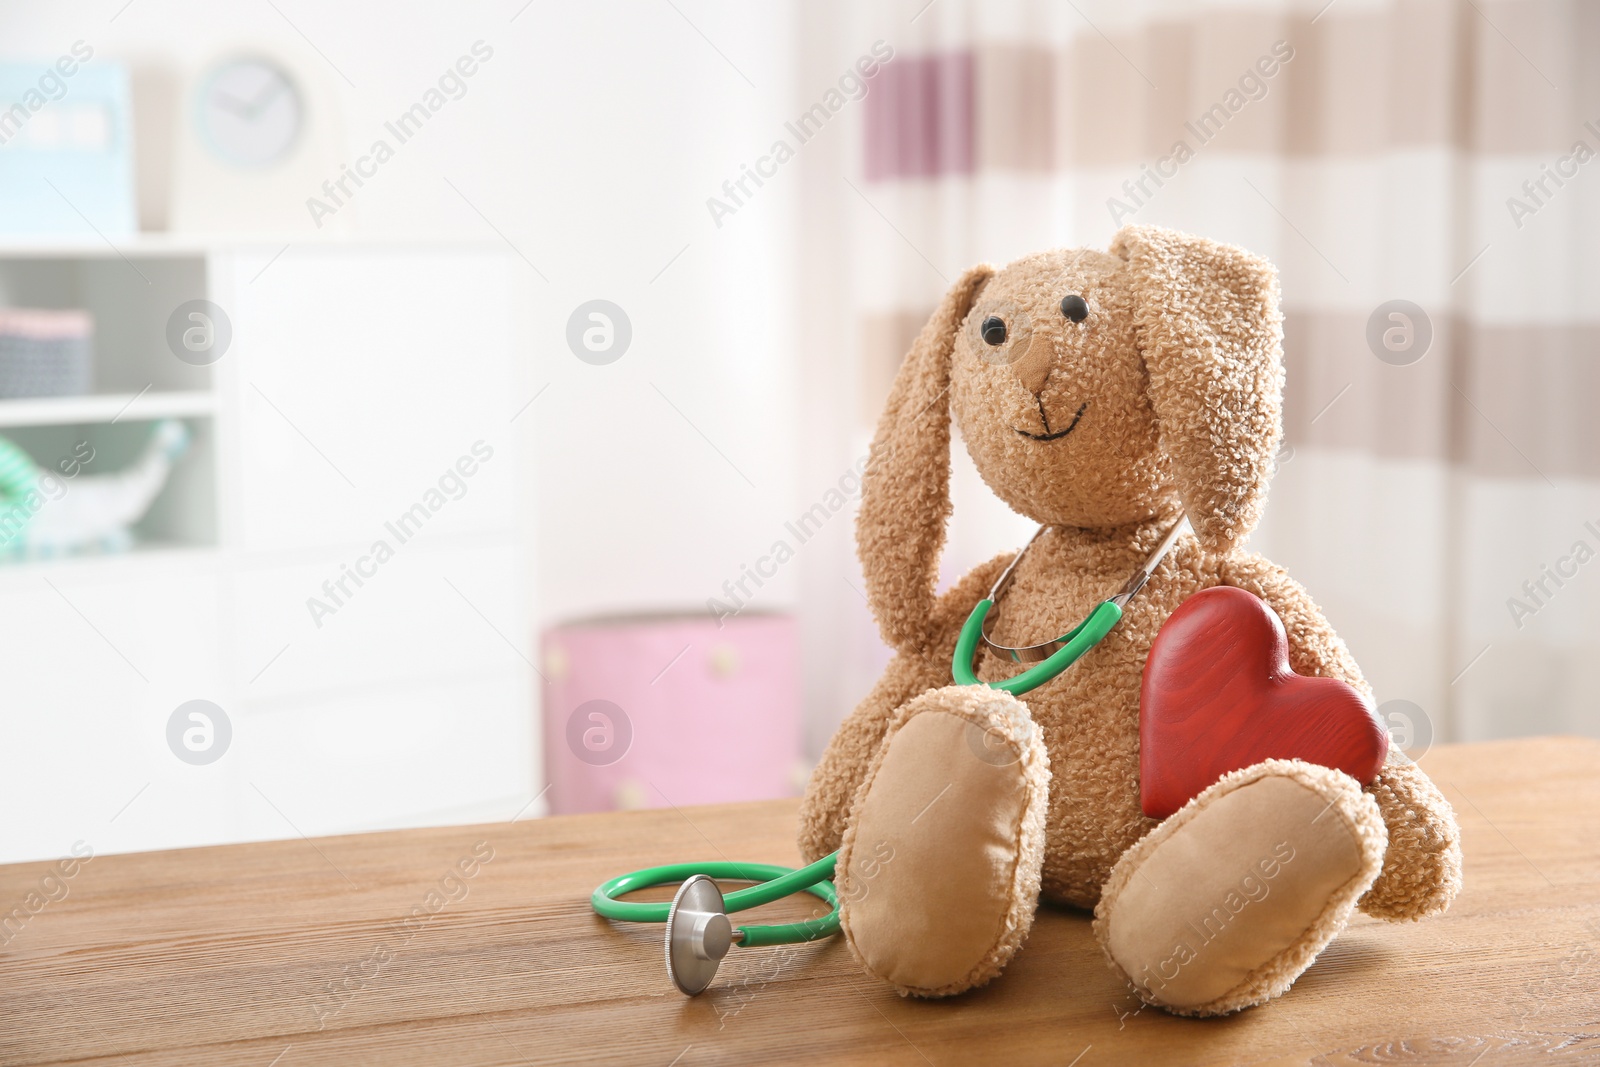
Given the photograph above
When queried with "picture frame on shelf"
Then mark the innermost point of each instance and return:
(66, 149)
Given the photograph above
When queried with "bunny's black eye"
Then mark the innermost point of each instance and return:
(994, 330)
(1075, 307)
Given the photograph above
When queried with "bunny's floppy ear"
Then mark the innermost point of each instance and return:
(1208, 326)
(905, 492)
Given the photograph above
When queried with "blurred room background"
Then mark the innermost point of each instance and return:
(422, 413)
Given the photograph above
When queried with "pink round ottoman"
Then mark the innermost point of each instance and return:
(663, 710)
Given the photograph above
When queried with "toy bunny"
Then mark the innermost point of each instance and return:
(1101, 394)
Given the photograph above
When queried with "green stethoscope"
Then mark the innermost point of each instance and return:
(699, 933)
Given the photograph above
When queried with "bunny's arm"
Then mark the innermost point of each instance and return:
(832, 788)
(1422, 867)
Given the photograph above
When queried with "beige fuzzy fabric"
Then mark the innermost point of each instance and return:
(1170, 396)
(1355, 810)
(1410, 891)
(1015, 885)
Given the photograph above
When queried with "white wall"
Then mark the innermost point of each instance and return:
(591, 140)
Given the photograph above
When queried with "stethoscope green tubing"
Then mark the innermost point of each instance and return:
(1080, 639)
(774, 882)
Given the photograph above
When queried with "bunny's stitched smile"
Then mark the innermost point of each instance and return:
(1057, 435)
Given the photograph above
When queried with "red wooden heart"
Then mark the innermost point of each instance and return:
(1218, 695)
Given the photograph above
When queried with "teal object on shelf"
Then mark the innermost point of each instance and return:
(19, 477)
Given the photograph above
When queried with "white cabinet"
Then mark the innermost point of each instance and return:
(389, 756)
(341, 564)
(367, 375)
(417, 618)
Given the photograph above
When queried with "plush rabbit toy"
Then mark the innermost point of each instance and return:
(1119, 389)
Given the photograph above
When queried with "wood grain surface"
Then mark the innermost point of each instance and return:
(412, 947)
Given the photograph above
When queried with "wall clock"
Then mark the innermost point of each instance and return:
(249, 112)
(258, 133)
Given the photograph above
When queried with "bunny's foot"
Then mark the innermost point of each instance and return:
(1227, 902)
(939, 868)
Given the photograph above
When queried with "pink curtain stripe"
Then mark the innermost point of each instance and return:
(920, 118)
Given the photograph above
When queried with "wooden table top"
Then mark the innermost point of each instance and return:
(475, 945)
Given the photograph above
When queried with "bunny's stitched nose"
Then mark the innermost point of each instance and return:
(1033, 366)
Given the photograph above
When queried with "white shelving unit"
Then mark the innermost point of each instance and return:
(106, 407)
(358, 375)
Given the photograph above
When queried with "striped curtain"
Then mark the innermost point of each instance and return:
(1426, 175)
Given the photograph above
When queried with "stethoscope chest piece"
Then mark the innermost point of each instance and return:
(698, 934)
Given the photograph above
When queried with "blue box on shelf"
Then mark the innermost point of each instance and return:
(66, 150)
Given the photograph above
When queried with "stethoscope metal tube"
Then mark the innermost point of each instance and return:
(1050, 657)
